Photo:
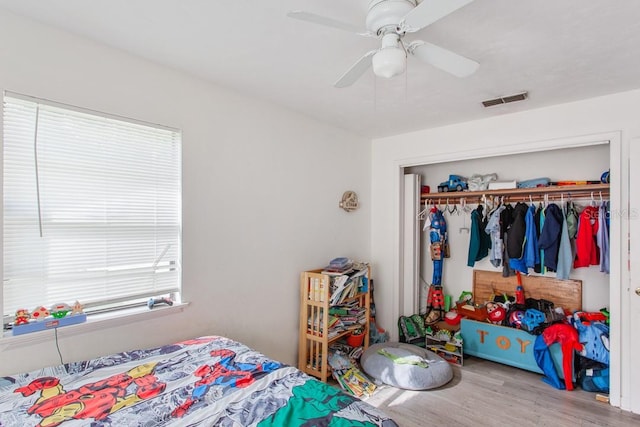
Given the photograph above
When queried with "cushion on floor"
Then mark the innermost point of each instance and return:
(406, 366)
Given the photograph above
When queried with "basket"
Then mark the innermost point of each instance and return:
(355, 340)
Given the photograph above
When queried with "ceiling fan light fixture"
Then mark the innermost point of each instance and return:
(391, 59)
(389, 62)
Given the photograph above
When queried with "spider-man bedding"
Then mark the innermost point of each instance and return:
(202, 382)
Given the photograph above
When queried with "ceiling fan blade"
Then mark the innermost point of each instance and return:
(428, 12)
(356, 70)
(328, 22)
(444, 59)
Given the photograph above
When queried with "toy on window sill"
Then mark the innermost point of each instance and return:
(155, 301)
(22, 317)
(40, 313)
(77, 308)
(58, 311)
(41, 318)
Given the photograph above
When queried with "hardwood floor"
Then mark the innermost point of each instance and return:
(484, 393)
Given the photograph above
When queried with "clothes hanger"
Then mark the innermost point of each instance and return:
(451, 211)
(423, 213)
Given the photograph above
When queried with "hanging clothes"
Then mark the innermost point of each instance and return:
(530, 254)
(479, 241)
(572, 219)
(536, 219)
(587, 252)
(506, 218)
(565, 254)
(539, 217)
(493, 230)
(517, 230)
(602, 237)
(438, 239)
(550, 236)
(531, 247)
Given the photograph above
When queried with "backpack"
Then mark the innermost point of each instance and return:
(591, 375)
(411, 330)
(594, 336)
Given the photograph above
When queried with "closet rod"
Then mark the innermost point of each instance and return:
(554, 193)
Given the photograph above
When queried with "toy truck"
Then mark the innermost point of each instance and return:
(455, 183)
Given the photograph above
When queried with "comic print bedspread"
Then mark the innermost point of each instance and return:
(202, 382)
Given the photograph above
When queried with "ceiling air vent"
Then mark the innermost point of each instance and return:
(505, 99)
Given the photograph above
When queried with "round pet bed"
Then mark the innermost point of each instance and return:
(406, 366)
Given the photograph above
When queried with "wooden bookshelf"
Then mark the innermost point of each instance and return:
(315, 302)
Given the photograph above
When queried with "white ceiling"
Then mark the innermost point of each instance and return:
(558, 51)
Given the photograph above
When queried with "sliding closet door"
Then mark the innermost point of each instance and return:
(631, 339)
(410, 287)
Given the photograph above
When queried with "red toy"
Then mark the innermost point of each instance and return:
(22, 317)
(496, 313)
(519, 290)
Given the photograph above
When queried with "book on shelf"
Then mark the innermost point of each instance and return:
(347, 286)
(316, 289)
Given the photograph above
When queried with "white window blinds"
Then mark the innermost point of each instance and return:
(92, 207)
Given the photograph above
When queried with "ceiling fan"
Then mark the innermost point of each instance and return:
(390, 21)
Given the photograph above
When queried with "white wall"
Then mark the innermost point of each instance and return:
(261, 187)
(505, 134)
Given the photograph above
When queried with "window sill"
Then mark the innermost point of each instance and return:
(94, 323)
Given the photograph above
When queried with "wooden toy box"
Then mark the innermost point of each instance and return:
(512, 346)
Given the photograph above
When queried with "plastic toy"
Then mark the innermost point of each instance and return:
(519, 290)
(588, 317)
(452, 318)
(455, 183)
(155, 301)
(532, 319)
(439, 242)
(22, 317)
(40, 313)
(60, 310)
(496, 313)
(465, 297)
(515, 318)
(77, 308)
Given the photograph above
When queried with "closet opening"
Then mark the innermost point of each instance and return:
(571, 159)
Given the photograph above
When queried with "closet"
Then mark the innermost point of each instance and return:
(585, 163)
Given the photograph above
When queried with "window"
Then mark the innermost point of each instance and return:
(92, 207)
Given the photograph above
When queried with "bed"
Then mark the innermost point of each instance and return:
(201, 382)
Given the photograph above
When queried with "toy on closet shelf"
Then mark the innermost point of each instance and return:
(454, 183)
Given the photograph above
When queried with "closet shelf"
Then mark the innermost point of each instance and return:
(594, 191)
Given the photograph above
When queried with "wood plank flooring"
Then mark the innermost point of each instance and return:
(484, 393)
